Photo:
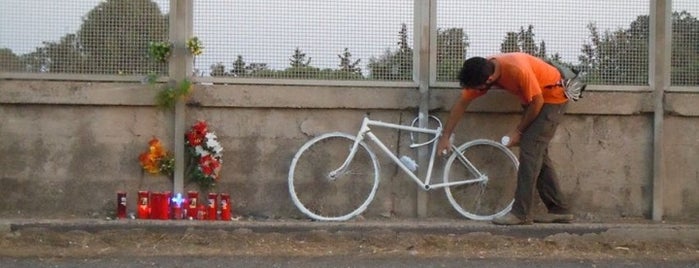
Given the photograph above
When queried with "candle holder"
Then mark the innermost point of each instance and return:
(164, 206)
(155, 208)
(212, 207)
(144, 204)
(225, 207)
(201, 212)
(177, 206)
(121, 205)
(192, 205)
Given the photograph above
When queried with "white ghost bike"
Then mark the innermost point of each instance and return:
(335, 176)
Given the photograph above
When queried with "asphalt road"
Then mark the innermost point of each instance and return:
(336, 261)
(97, 243)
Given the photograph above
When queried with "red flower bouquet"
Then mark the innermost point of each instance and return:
(205, 156)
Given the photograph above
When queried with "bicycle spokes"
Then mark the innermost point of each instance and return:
(492, 169)
(326, 185)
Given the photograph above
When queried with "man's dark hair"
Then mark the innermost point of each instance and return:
(475, 72)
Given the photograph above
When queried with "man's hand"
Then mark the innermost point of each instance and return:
(515, 136)
(444, 145)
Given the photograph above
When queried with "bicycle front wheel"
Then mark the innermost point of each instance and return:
(493, 169)
(323, 192)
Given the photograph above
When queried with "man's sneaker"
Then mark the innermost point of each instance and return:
(510, 219)
(554, 218)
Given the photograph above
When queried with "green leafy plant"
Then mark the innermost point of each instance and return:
(169, 95)
(195, 46)
(160, 51)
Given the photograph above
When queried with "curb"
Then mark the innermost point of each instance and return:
(655, 231)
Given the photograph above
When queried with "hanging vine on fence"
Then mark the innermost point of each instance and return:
(161, 51)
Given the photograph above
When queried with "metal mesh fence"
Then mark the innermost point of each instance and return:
(310, 39)
(607, 40)
(685, 43)
(80, 36)
(341, 39)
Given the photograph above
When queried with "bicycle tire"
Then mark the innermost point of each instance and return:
(318, 196)
(486, 199)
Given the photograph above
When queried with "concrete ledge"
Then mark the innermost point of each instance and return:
(683, 104)
(76, 93)
(322, 97)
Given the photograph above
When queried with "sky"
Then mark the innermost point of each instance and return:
(269, 30)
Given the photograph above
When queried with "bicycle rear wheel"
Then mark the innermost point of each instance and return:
(495, 165)
(324, 197)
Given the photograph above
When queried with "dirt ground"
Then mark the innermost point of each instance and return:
(38, 242)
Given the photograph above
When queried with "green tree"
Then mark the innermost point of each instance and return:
(300, 67)
(35, 61)
(510, 44)
(392, 65)
(619, 57)
(64, 56)
(404, 57)
(685, 49)
(542, 50)
(298, 59)
(346, 63)
(523, 41)
(9, 62)
(380, 68)
(451, 52)
(114, 37)
(259, 70)
(218, 69)
(238, 67)
(526, 41)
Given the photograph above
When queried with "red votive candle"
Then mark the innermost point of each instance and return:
(143, 205)
(192, 205)
(211, 207)
(201, 212)
(155, 204)
(164, 206)
(225, 207)
(121, 205)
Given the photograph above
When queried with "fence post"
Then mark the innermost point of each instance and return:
(423, 15)
(660, 53)
(180, 68)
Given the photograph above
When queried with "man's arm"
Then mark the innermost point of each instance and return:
(457, 111)
(532, 111)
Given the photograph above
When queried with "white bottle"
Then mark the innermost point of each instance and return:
(505, 140)
(409, 163)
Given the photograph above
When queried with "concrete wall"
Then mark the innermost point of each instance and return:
(68, 147)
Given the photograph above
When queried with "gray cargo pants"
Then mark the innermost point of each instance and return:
(536, 167)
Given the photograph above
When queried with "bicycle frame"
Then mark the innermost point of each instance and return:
(365, 131)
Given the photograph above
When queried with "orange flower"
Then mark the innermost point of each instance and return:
(148, 163)
(150, 160)
(156, 148)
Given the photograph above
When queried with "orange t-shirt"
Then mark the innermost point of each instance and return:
(525, 76)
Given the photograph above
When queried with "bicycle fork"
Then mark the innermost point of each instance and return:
(333, 175)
